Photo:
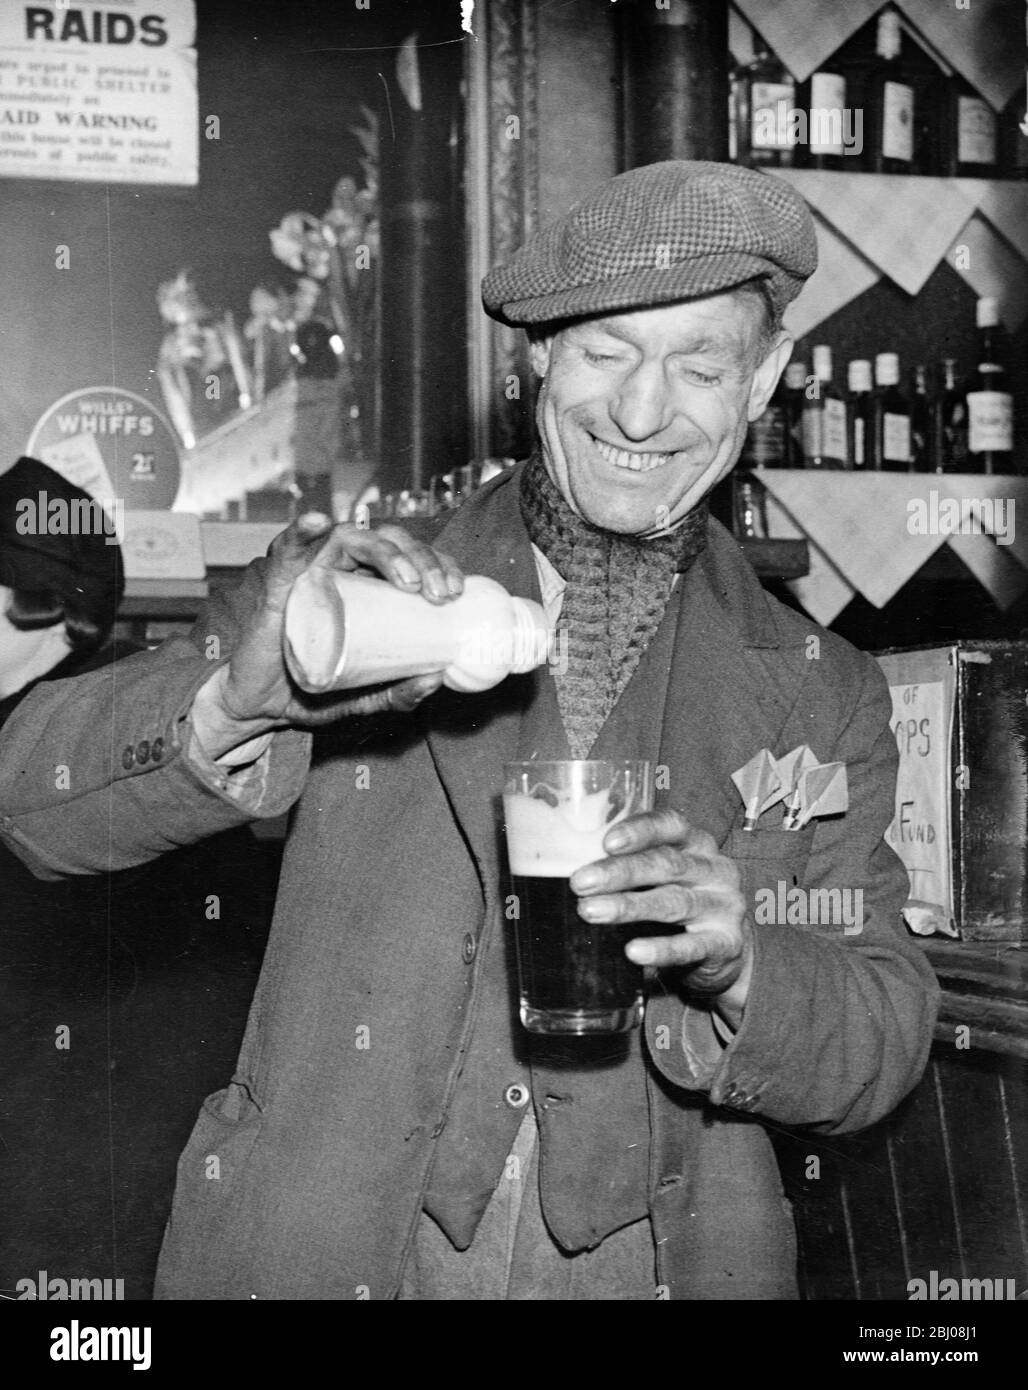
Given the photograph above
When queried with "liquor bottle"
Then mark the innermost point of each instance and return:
(318, 430)
(765, 99)
(950, 423)
(821, 100)
(860, 423)
(765, 444)
(922, 435)
(793, 401)
(968, 129)
(990, 414)
(891, 415)
(889, 146)
(749, 507)
(824, 418)
(1013, 138)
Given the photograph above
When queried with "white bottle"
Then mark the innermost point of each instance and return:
(344, 631)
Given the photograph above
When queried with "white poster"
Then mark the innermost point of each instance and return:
(101, 92)
(922, 686)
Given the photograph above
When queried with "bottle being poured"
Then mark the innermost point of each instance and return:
(344, 630)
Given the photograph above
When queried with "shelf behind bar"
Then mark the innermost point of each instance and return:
(985, 988)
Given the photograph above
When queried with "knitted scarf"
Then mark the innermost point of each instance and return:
(617, 590)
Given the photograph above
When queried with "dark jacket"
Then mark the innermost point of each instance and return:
(324, 1139)
(123, 999)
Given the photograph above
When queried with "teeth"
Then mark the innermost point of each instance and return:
(638, 463)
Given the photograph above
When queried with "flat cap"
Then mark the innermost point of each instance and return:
(655, 235)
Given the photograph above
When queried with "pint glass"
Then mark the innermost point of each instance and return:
(574, 975)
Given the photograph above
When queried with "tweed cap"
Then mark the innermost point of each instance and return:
(655, 235)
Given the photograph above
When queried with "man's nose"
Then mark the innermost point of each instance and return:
(640, 407)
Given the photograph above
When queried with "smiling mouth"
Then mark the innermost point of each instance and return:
(625, 458)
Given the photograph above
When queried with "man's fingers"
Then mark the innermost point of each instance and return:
(439, 576)
(670, 902)
(407, 695)
(296, 539)
(291, 551)
(453, 572)
(650, 828)
(400, 698)
(643, 869)
(398, 557)
(708, 948)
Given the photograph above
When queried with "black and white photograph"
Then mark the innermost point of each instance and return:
(514, 668)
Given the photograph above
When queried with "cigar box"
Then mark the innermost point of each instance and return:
(960, 718)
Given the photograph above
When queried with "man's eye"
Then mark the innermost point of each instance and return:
(601, 357)
(702, 378)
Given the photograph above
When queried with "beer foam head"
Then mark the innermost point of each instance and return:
(547, 840)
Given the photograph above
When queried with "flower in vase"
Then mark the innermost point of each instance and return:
(299, 241)
(179, 302)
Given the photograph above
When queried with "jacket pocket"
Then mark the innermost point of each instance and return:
(205, 1238)
(222, 1139)
(770, 860)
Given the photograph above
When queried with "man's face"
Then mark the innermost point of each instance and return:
(641, 413)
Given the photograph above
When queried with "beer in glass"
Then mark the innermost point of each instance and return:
(574, 975)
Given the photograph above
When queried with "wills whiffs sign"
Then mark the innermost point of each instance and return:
(99, 92)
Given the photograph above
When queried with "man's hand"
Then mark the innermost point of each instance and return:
(254, 693)
(661, 869)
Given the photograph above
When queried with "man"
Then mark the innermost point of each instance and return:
(122, 997)
(390, 1130)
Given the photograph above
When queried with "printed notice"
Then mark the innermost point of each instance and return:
(920, 831)
(99, 92)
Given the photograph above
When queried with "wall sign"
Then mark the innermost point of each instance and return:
(923, 690)
(137, 448)
(99, 92)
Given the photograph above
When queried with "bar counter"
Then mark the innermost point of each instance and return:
(942, 1184)
(985, 989)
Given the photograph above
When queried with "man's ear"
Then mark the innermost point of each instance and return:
(539, 354)
(765, 378)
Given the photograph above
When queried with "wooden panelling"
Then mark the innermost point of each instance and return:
(922, 1186)
(941, 1185)
(973, 1115)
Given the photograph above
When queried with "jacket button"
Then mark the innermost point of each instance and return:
(128, 758)
(467, 948)
(516, 1096)
(157, 750)
(143, 751)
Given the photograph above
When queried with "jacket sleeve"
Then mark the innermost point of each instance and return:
(101, 772)
(839, 1019)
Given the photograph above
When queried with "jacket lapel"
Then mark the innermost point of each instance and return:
(731, 690)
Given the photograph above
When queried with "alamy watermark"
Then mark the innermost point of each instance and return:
(946, 1290)
(83, 1343)
(482, 646)
(834, 130)
(47, 1289)
(791, 906)
(937, 515)
(44, 515)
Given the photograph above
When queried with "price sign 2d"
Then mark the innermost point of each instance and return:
(114, 444)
